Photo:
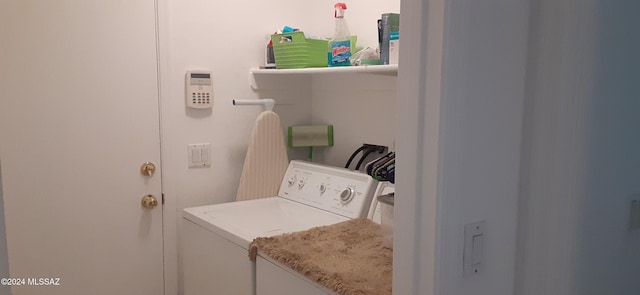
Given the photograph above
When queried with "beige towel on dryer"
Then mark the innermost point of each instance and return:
(266, 160)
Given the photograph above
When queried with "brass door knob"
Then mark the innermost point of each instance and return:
(148, 169)
(149, 202)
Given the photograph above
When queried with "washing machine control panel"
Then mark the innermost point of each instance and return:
(337, 190)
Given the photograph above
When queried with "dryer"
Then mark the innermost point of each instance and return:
(274, 278)
(216, 238)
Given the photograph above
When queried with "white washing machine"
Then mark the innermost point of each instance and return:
(216, 237)
(274, 278)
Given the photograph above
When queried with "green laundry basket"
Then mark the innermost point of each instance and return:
(294, 50)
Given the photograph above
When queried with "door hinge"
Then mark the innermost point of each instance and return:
(162, 198)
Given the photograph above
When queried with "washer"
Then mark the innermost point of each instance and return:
(216, 237)
(274, 278)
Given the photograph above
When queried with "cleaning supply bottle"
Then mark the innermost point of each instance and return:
(340, 44)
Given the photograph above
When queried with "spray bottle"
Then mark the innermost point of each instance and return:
(340, 44)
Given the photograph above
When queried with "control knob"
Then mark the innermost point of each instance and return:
(322, 188)
(346, 195)
(291, 180)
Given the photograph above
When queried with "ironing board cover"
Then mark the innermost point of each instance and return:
(266, 160)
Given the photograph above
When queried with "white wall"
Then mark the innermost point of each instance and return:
(460, 113)
(483, 81)
(580, 153)
(361, 109)
(227, 38)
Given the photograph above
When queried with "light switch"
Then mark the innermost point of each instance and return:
(204, 154)
(476, 249)
(199, 155)
(474, 240)
(195, 156)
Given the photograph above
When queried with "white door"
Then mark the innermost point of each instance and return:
(78, 117)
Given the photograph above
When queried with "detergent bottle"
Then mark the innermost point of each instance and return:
(340, 44)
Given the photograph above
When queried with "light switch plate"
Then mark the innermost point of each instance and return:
(474, 243)
(199, 155)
